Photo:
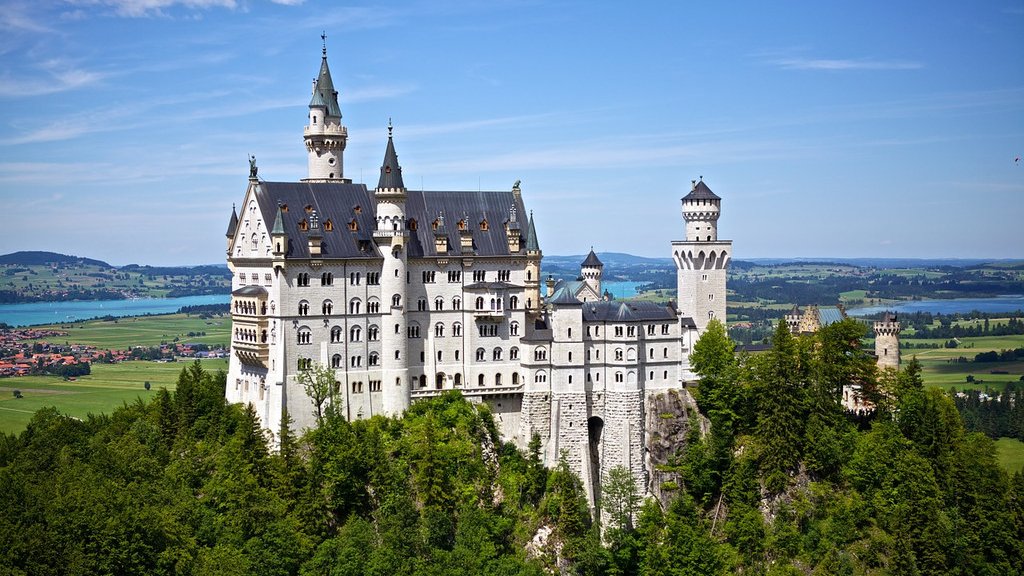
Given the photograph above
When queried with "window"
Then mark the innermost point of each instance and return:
(504, 275)
(480, 380)
(413, 330)
(302, 279)
(454, 276)
(457, 329)
(711, 296)
(664, 328)
(438, 303)
(488, 330)
(398, 356)
(515, 378)
(540, 377)
(711, 314)
(354, 278)
(373, 306)
(303, 308)
(336, 361)
(513, 353)
(354, 333)
(480, 354)
(374, 385)
(568, 333)
(456, 303)
(357, 387)
(618, 376)
(479, 275)
(513, 329)
(372, 333)
(353, 306)
(704, 277)
(336, 334)
(304, 363)
(618, 331)
(327, 307)
(421, 305)
(650, 329)
(326, 279)
(631, 331)
(305, 336)
(396, 301)
(664, 352)
(373, 278)
(457, 355)
(513, 302)
(439, 330)
(440, 355)
(357, 361)
(496, 355)
(374, 359)
(479, 302)
(570, 357)
(428, 276)
(540, 354)
(618, 354)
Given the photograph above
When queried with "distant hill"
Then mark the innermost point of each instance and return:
(37, 258)
(204, 270)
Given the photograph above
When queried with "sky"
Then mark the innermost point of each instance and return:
(829, 129)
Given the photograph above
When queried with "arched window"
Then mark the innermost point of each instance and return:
(421, 304)
(372, 333)
(372, 305)
(540, 354)
(480, 380)
(515, 378)
(457, 329)
(479, 302)
(513, 329)
(438, 303)
(618, 354)
(303, 308)
(353, 306)
(458, 379)
(513, 353)
(336, 333)
(540, 376)
(327, 307)
(396, 301)
(456, 303)
(439, 330)
(631, 355)
(513, 302)
(354, 334)
(480, 352)
(305, 336)
(496, 355)
(336, 361)
(413, 330)
(497, 379)
(374, 359)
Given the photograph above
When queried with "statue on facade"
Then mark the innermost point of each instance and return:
(252, 167)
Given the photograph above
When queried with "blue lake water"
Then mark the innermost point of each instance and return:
(1010, 303)
(621, 289)
(35, 313)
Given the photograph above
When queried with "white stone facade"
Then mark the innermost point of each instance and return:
(406, 294)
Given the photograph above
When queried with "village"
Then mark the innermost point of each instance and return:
(29, 351)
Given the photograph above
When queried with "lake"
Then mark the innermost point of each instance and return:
(621, 289)
(1009, 303)
(35, 313)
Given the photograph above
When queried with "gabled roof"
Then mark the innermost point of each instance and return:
(472, 208)
(828, 315)
(701, 191)
(592, 261)
(232, 224)
(564, 297)
(324, 94)
(390, 171)
(634, 311)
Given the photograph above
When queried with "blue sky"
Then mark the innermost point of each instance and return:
(854, 129)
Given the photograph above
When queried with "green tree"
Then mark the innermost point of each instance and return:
(619, 498)
(318, 383)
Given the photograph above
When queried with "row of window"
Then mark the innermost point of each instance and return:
(373, 305)
(302, 279)
(247, 307)
(327, 278)
(254, 277)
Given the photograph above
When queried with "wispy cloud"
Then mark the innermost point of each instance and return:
(54, 76)
(288, 2)
(144, 8)
(844, 64)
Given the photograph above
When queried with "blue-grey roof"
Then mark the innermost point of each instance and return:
(324, 93)
(564, 297)
(233, 223)
(592, 261)
(252, 291)
(701, 191)
(633, 311)
(532, 244)
(390, 171)
(830, 315)
(342, 203)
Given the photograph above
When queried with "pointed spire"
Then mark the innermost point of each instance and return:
(324, 94)
(532, 245)
(592, 260)
(278, 222)
(390, 171)
(233, 223)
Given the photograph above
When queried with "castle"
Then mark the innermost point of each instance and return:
(405, 294)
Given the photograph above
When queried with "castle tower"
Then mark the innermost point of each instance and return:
(232, 226)
(702, 260)
(590, 270)
(325, 136)
(392, 238)
(887, 342)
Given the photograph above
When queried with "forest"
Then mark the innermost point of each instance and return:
(784, 483)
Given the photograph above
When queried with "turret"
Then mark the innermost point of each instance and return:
(232, 226)
(702, 260)
(392, 238)
(324, 135)
(887, 341)
(701, 208)
(590, 271)
(533, 258)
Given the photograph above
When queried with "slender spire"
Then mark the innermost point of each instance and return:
(390, 170)
(532, 245)
(592, 261)
(324, 94)
(278, 222)
(233, 223)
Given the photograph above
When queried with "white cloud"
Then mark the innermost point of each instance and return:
(288, 2)
(844, 64)
(143, 8)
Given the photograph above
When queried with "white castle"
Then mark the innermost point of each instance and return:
(406, 294)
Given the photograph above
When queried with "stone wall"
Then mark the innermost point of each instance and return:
(670, 417)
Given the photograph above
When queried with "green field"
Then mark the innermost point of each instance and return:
(1011, 454)
(940, 371)
(145, 331)
(109, 386)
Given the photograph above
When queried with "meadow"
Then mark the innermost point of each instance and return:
(1010, 452)
(109, 386)
(121, 333)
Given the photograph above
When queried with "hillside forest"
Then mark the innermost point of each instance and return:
(784, 482)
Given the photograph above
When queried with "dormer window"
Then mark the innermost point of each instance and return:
(328, 225)
(483, 224)
(412, 224)
(436, 224)
(303, 225)
(284, 208)
(309, 208)
(357, 209)
(462, 224)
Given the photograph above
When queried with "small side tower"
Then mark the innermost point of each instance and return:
(591, 270)
(533, 258)
(325, 136)
(392, 238)
(702, 260)
(232, 226)
(887, 341)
